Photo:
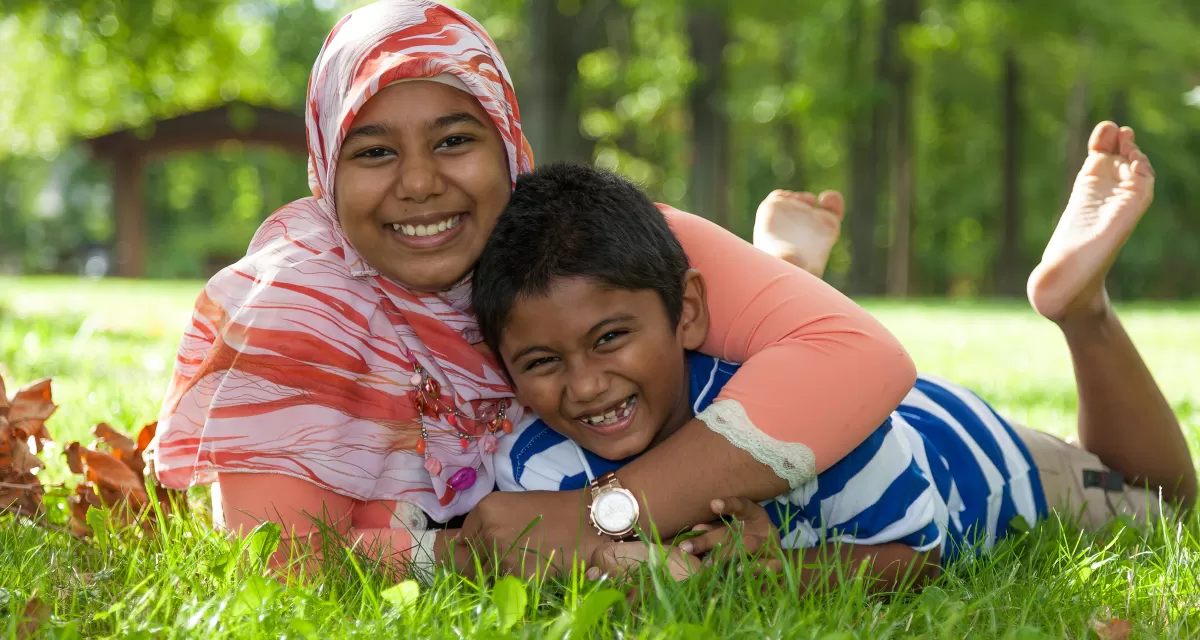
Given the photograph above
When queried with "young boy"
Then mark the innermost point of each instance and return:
(586, 296)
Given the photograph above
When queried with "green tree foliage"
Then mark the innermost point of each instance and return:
(801, 91)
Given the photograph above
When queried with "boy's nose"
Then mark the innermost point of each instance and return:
(586, 385)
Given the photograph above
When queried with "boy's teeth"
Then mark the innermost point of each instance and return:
(421, 230)
(609, 417)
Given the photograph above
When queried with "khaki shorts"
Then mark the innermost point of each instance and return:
(1080, 488)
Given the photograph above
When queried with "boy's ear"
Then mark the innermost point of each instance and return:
(693, 319)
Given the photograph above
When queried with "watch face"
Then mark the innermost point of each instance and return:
(614, 511)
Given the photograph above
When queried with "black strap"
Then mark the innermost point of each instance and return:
(1108, 480)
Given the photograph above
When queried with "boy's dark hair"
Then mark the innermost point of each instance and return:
(572, 221)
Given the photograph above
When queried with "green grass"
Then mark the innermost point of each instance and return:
(109, 346)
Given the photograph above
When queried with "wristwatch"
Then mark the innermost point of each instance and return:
(614, 510)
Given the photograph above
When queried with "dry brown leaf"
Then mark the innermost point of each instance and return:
(120, 446)
(29, 409)
(80, 501)
(111, 474)
(115, 440)
(74, 460)
(1115, 629)
(36, 612)
(145, 436)
(20, 489)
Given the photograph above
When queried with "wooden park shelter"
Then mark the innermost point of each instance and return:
(128, 151)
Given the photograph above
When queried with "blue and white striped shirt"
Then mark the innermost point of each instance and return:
(944, 471)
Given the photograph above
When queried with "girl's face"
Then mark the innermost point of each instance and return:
(421, 179)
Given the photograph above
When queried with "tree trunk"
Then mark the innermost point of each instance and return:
(709, 188)
(128, 205)
(1008, 271)
(791, 135)
(549, 104)
(865, 137)
(903, 155)
(1077, 124)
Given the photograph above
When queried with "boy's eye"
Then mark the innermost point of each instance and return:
(609, 337)
(538, 362)
(454, 141)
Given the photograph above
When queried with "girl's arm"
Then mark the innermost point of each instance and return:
(820, 374)
(889, 566)
(244, 500)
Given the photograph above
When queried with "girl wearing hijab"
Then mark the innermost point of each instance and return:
(336, 371)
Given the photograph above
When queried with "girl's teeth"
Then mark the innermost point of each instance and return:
(421, 230)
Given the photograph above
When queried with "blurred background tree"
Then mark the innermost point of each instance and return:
(953, 126)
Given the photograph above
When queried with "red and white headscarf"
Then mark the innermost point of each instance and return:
(299, 357)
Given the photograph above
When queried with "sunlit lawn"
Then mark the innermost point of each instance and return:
(109, 346)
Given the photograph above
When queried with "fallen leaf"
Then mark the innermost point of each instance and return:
(113, 438)
(20, 490)
(145, 436)
(121, 447)
(80, 501)
(74, 461)
(36, 612)
(116, 479)
(1115, 629)
(29, 409)
(20, 494)
(111, 474)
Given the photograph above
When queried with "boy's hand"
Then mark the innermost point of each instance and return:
(531, 532)
(758, 532)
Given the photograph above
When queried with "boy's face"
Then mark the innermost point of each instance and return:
(604, 366)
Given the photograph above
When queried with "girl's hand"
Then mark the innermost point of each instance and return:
(619, 558)
(758, 532)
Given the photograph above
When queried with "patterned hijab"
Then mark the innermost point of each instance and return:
(300, 357)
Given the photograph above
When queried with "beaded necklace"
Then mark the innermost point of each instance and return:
(426, 397)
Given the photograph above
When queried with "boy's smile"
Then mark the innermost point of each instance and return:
(604, 366)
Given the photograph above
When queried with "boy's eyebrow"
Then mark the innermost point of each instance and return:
(366, 131)
(528, 350)
(610, 320)
(596, 327)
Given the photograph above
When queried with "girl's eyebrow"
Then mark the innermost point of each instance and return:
(455, 118)
(367, 131)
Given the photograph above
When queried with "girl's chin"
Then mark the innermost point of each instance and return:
(431, 280)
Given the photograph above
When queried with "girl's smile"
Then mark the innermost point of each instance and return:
(421, 178)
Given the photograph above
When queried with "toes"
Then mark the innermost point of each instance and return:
(802, 196)
(832, 201)
(1104, 138)
(1127, 147)
(805, 197)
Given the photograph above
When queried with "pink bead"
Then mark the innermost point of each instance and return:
(415, 380)
(462, 479)
(490, 443)
(451, 419)
(433, 466)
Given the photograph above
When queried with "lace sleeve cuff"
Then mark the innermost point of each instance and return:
(791, 461)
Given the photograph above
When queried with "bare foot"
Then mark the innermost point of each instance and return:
(799, 227)
(1112, 191)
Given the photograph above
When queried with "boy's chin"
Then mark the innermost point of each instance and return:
(628, 447)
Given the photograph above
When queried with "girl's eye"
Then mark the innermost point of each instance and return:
(609, 337)
(373, 153)
(538, 362)
(454, 141)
